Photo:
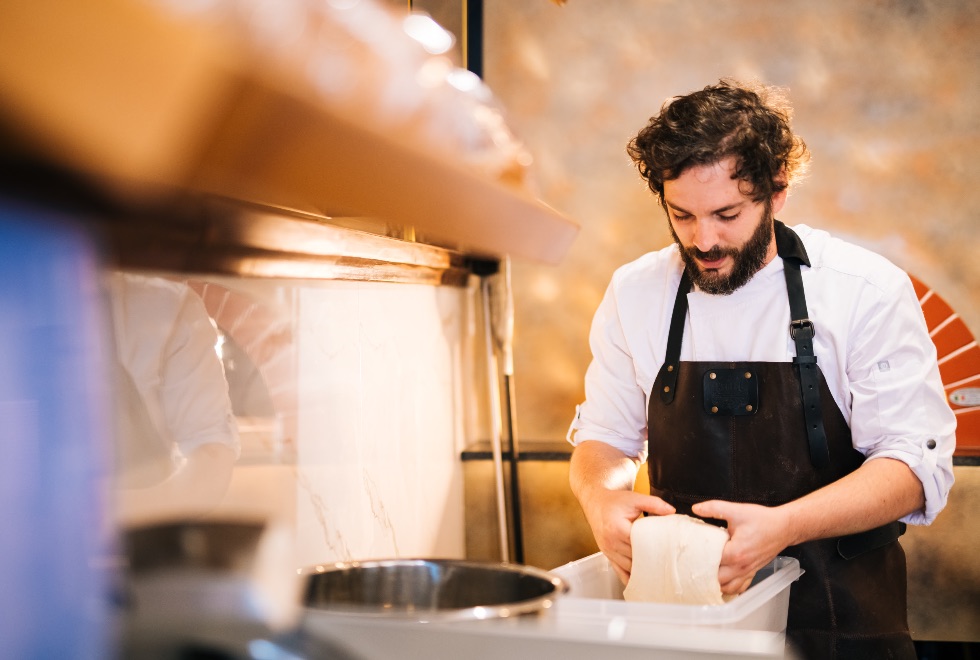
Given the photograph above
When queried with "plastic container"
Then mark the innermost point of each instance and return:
(589, 621)
(596, 591)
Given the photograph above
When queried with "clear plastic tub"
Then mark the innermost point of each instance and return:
(596, 591)
(589, 621)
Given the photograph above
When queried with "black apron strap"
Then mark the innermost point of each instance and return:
(674, 338)
(793, 254)
(790, 249)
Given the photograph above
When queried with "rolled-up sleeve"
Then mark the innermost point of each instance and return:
(899, 407)
(614, 410)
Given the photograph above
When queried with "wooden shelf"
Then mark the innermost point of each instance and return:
(146, 106)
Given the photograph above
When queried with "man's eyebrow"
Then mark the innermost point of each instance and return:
(723, 209)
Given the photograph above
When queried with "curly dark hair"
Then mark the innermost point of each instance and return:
(749, 122)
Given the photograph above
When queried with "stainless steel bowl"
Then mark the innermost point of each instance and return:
(430, 589)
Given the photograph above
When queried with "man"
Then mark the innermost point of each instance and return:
(782, 382)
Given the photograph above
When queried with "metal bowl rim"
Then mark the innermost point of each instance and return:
(479, 612)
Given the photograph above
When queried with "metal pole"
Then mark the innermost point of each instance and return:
(505, 334)
(473, 36)
(493, 383)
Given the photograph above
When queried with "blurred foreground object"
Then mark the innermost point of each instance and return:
(54, 434)
(218, 589)
(329, 108)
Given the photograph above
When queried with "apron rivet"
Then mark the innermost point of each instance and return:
(670, 367)
(667, 389)
(711, 375)
(749, 407)
(714, 409)
(748, 374)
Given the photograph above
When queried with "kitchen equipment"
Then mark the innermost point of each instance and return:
(214, 589)
(238, 570)
(595, 591)
(959, 365)
(455, 609)
(498, 327)
(486, 270)
(503, 326)
(551, 633)
(430, 589)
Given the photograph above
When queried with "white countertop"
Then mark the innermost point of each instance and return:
(541, 636)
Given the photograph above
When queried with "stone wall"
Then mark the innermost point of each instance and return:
(886, 95)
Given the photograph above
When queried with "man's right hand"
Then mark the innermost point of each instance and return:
(610, 514)
(602, 479)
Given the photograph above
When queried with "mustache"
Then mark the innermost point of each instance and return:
(713, 254)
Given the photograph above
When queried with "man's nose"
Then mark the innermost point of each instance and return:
(705, 236)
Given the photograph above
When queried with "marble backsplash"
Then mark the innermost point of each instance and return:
(353, 402)
(382, 419)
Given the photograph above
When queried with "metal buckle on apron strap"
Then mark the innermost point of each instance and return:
(801, 325)
(802, 331)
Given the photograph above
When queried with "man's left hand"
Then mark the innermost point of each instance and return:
(756, 535)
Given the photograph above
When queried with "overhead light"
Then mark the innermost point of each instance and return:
(433, 37)
(464, 80)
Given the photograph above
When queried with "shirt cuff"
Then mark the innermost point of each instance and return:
(579, 432)
(934, 472)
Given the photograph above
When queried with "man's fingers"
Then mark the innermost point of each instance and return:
(624, 577)
(621, 564)
(656, 506)
(712, 509)
(737, 585)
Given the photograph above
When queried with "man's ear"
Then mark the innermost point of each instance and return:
(779, 198)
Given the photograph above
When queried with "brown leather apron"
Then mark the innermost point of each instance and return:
(768, 433)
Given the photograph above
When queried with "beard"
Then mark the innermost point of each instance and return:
(746, 261)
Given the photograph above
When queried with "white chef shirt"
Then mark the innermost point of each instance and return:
(871, 343)
(178, 394)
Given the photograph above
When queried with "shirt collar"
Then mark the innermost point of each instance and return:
(789, 245)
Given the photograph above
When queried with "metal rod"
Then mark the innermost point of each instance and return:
(493, 382)
(503, 324)
(515, 486)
